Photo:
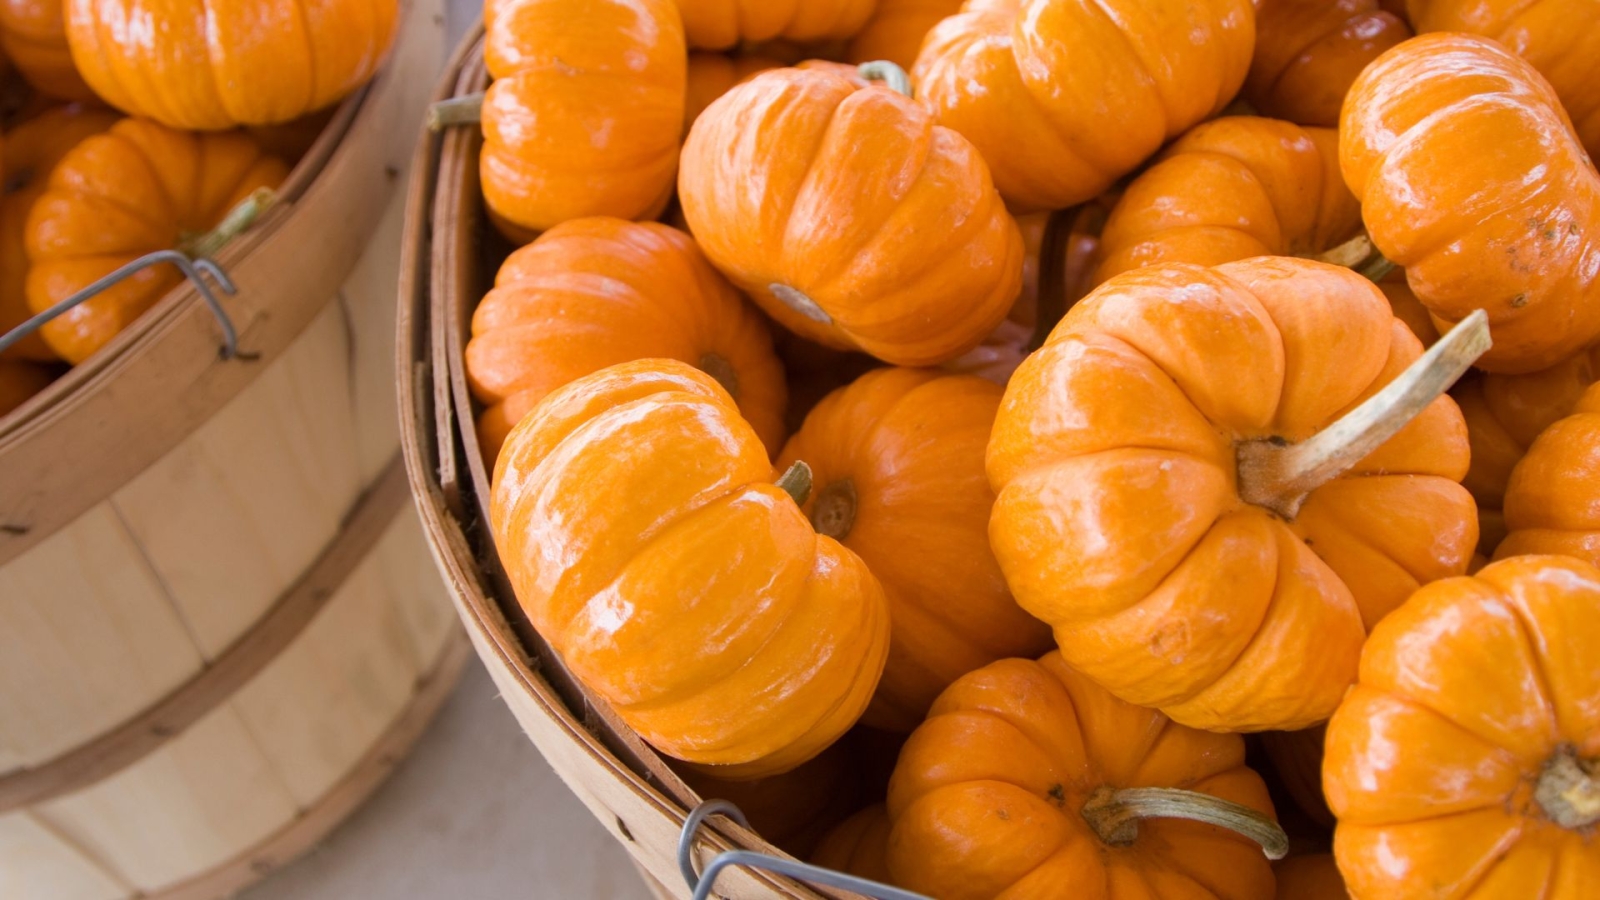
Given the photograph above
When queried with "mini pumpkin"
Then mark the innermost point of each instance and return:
(1028, 780)
(724, 24)
(202, 66)
(1504, 414)
(1557, 37)
(1314, 876)
(32, 150)
(713, 74)
(896, 30)
(859, 845)
(1463, 763)
(1308, 52)
(1173, 501)
(20, 380)
(33, 34)
(638, 521)
(1515, 232)
(897, 469)
(137, 188)
(585, 112)
(1553, 498)
(1230, 189)
(1062, 99)
(594, 292)
(852, 218)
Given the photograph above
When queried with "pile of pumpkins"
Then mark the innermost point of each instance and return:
(133, 126)
(795, 455)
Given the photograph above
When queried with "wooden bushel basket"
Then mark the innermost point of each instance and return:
(449, 258)
(218, 627)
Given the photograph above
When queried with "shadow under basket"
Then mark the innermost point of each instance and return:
(219, 626)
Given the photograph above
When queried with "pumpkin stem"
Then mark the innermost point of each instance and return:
(1278, 475)
(236, 222)
(722, 371)
(1359, 254)
(1568, 791)
(893, 77)
(834, 513)
(800, 303)
(796, 482)
(464, 110)
(1053, 249)
(1114, 815)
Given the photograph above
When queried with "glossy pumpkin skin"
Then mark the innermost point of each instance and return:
(32, 150)
(591, 293)
(1308, 52)
(1515, 232)
(1557, 36)
(1119, 518)
(986, 798)
(898, 458)
(859, 845)
(724, 24)
(1063, 98)
(713, 74)
(20, 380)
(117, 196)
(1505, 414)
(1553, 499)
(1484, 681)
(1231, 189)
(217, 66)
(33, 34)
(585, 112)
(852, 218)
(896, 30)
(636, 516)
(1314, 876)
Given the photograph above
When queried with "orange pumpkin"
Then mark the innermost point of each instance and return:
(1028, 780)
(19, 381)
(1314, 876)
(713, 74)
(635, 513)
(724, 24)
(33, 34)
(591, 293)
(585, 113)
(1553, 499)
(135, 189)
(1463, 763)
(1408, 309)
(1504, 414)
(1515, 232)
(1309, 51)
(1557, 36)
(850, 216)
(1297, 759)
(859, 845)
(1230, 189)
(1155, 507)
(32, 150)
(896, 30)
(1062, 99)
(897, 468)
(216, 66)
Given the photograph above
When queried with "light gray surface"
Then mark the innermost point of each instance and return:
(473, 814)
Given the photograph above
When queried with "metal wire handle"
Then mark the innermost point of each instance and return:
(192, 269)
(702, 883)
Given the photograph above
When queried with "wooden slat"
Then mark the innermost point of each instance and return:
(40, 864)
(368, 303)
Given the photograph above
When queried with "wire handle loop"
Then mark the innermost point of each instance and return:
(702, 883)
(192, 269)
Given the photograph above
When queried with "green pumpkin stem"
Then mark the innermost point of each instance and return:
(893, 77)
(237, 221)
(464, 110)
(1278, 475)
(1114, 814)
(796, 482)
